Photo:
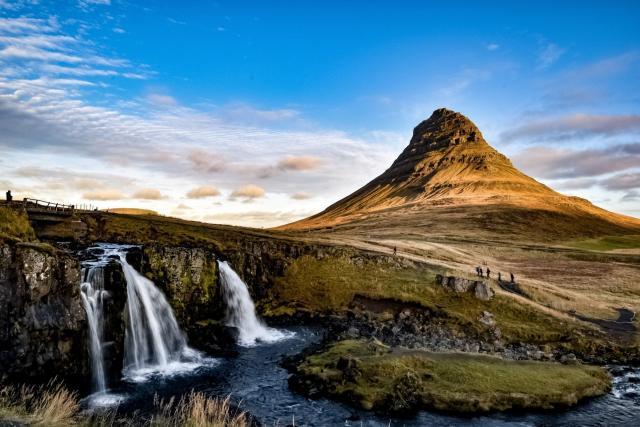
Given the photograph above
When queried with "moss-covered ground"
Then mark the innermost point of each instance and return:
(373, 376)
(330, 284)
(14, 225)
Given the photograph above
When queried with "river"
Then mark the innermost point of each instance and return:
(258, 384)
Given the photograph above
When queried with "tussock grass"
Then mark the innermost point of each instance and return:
(47, 405)
(14, 224)
(198, 410)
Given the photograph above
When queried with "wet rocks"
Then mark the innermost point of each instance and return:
(480, 289)
(42, 322)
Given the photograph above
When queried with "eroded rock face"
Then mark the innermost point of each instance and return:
(42, 322)
(481, 289)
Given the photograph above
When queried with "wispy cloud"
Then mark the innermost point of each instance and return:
(573, 126)
(548, 55)
(299, 163)
(558, 163)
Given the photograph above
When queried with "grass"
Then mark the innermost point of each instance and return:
(372, 376)
(607, 243)
(197, 410)
(51, 404)
(15, 225)
(54, 405)
(330, 284)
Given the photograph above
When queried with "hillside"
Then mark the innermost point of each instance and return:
(448, 176)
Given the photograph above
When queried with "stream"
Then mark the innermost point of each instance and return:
(258, 384)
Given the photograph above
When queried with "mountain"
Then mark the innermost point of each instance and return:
(451, 179)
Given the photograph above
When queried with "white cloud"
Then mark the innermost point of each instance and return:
(548, 55)
(493, 46)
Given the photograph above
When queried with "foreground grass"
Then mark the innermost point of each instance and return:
(14, 224)
(54, 405)
(372, 376)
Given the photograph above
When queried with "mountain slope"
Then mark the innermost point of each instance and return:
(450, 173)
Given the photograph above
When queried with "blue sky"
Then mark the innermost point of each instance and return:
(258, 113)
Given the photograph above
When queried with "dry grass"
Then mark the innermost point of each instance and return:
(54, 405)
(51, 405)
(197, 410)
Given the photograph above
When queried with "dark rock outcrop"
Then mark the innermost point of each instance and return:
(42, 321)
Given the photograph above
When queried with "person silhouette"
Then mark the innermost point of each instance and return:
(488, 273)
(499, 277)
(513, 279)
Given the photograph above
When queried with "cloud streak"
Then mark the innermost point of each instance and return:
(575, 126)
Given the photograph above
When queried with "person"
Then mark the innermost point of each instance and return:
(499, 277)
(488, 273)
(477, 271)
(513, 279)
(395, 250)
(9, 196)
(480, 271)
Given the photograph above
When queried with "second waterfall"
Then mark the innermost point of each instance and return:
(241, 312)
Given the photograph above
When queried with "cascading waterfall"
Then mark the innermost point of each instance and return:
(241, 311)
(93, 295)
(153, 338)
(153, 343)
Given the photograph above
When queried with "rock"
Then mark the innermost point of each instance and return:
(486, 318)
(483, 291)
(568, 359)
(42, 322)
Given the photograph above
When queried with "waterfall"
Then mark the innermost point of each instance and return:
(93, 295)
(241, 311)
(153, 339)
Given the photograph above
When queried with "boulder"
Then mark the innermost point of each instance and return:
(481, 289)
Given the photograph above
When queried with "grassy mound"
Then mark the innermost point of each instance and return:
(373, 376)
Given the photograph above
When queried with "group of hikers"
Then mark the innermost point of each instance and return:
(481, 273)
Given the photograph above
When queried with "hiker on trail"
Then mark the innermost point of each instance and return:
(513, 279)
(9, 196)
(395, 250)
(488, 273)
(499, 277)
(480, 272)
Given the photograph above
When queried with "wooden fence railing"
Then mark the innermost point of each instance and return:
(43, 205)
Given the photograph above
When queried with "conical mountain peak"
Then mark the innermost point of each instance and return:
(448, 163)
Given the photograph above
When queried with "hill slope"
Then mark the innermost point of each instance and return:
(449, 173)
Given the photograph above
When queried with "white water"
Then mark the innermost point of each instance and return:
(241, 311)
(154, 342)
(93, 295)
